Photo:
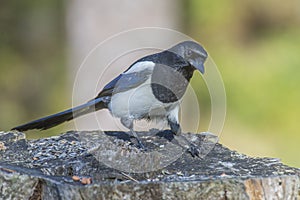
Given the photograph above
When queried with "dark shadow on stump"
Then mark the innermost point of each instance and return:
(48, 168)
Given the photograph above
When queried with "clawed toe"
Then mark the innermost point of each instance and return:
(193, 150)
(141, 145)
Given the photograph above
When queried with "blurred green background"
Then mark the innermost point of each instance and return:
(255, 44)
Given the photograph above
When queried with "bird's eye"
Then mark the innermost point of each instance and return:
(189, 53)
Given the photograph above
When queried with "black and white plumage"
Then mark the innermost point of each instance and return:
(151, 88)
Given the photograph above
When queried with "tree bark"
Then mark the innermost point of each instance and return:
(74, 166)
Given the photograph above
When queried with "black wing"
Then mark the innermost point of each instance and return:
(125, 82)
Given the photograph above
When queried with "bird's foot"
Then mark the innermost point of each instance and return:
(193, 150)
(138, 142)
(141, 145)
(187, 145)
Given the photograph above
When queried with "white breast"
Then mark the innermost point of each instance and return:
(138, 103)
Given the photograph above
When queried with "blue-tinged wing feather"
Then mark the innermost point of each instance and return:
(125, 82)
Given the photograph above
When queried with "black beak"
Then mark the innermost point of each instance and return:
(199, 65)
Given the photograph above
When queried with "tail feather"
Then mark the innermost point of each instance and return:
(64, 116)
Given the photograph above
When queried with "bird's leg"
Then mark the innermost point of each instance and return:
(141, 145)
(128, 123)
(182, 141)
(175, 127)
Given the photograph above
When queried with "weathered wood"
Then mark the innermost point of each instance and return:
(61, 168)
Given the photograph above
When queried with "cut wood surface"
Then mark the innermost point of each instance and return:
(108, 165)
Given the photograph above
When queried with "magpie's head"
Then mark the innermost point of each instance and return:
(193, 52)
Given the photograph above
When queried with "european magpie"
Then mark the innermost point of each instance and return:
(151, 88)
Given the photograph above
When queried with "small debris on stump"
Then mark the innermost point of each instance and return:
(76, 178)
(109, 165)
(86, 181)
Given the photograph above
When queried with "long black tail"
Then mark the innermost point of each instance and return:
(59, 118)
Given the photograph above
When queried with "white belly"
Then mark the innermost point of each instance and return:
(139, 103)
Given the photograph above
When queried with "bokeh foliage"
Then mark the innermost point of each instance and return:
(32, 60)
(254, 43)
(256, 46)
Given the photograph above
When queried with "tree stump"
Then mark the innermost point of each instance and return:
(108, 165)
